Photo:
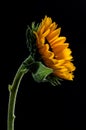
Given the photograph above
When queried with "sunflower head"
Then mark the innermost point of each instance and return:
(54, 50)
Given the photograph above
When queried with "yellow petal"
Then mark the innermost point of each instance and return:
(69, 66)
(46, 33)
(53, 39)
(48, 22)
(42, 29)
(54, 33)
(43, 49)
(59, 48)
(42, 40)
(53, 26)
(59, 40)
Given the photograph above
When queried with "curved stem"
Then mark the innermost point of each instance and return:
(13, 89)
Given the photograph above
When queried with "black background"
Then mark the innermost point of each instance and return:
(41, 105)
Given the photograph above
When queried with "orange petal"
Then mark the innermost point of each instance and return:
(59, 40)
(58, 48)
(54, 33)
(46, 33)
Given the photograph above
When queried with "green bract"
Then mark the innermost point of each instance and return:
(31, 40)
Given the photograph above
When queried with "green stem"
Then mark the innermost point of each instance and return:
(13, 90)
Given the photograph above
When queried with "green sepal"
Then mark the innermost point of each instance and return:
(40, 72)
(54, 80)
(34, 26)
(31, 39)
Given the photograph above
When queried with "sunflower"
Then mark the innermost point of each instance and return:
(54, 51)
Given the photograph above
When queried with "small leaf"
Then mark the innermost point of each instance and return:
(28, 61)
(9, 87)
(40, 72)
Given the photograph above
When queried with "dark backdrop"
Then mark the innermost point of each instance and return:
(41, 105)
